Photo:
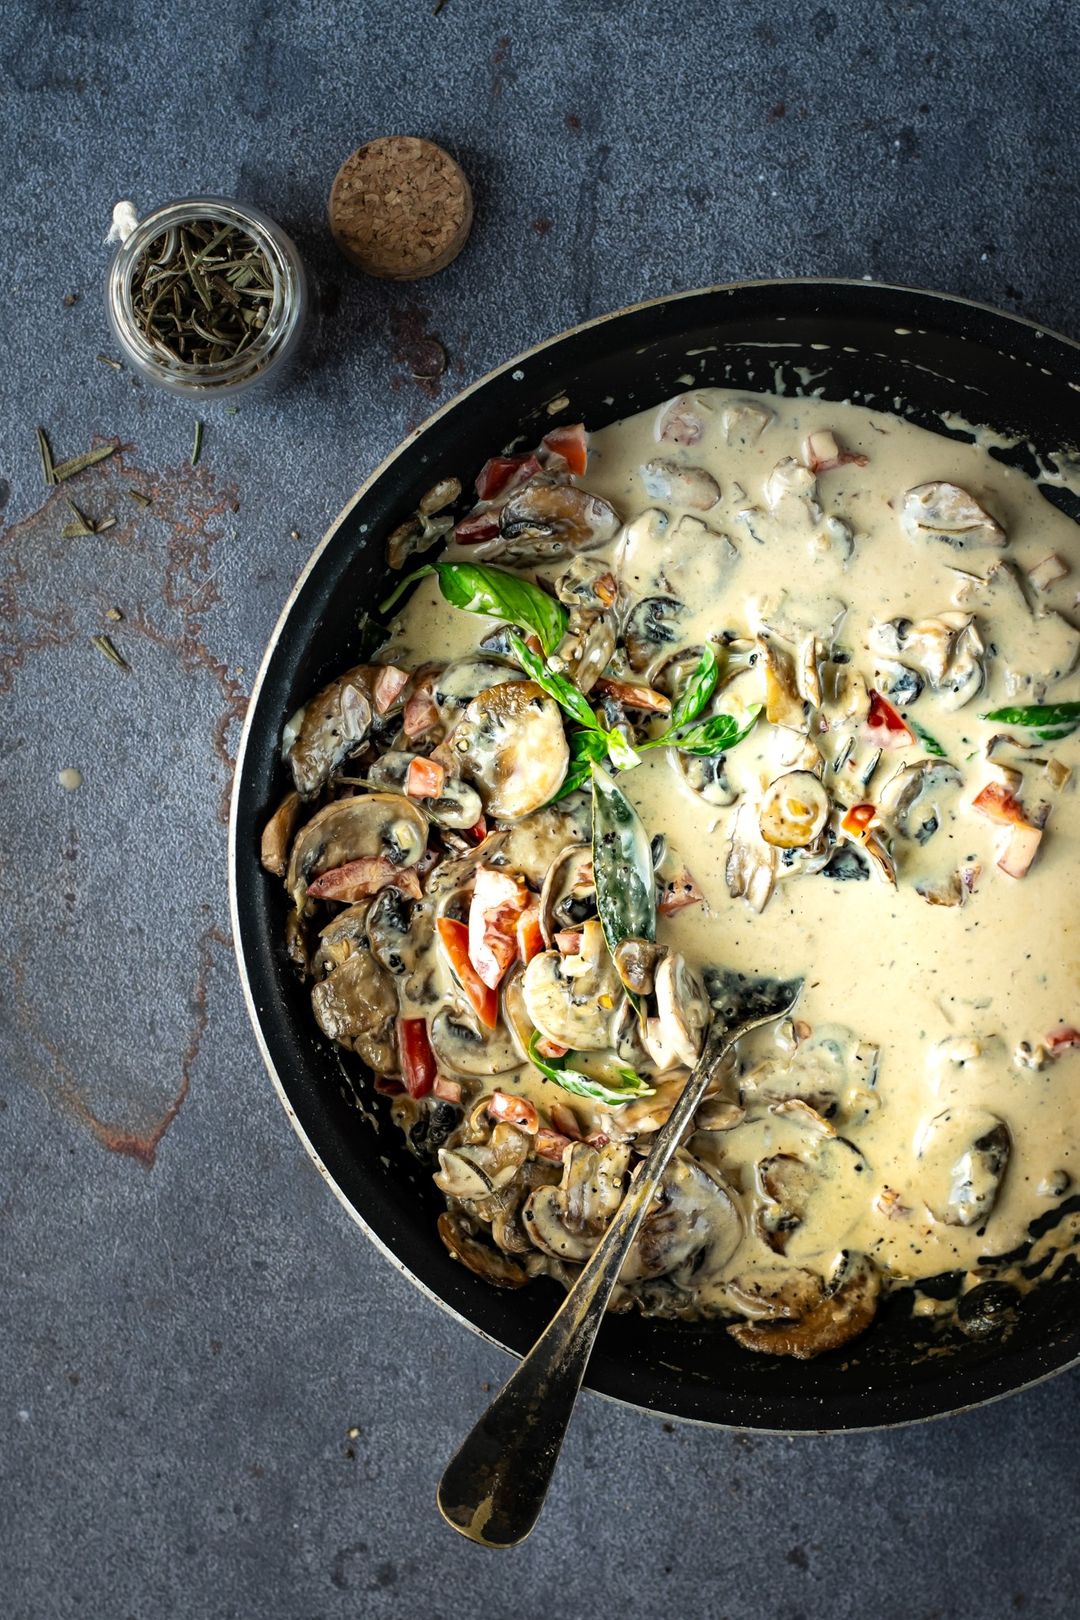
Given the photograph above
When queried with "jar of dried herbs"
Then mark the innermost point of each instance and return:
(208, 297)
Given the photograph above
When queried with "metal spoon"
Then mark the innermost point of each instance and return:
(494, 1487)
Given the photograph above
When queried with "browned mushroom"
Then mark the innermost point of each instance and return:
(847, 1309)
(480, 1257)
(277, 835)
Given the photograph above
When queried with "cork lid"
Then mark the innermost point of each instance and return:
(400, 207)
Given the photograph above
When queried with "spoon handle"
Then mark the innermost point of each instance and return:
(494, 1486)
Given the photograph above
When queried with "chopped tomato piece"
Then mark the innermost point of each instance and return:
(824, 452)
(454, 937)
(884, 726)
(420, 713)
(568, 942)
(362, 877)
(572, 443)
(1061, 1039)
(996, 803)
(518, 1111)
(387, 1085)
(424, 778)
(502, 473)
(550, 1049)
(448, 1090)
(478, 526)
(478, 832)
(389, 685)
(633, 696)
(418, 1066)
(498, 900)
(1021, 847)
(550, 1145)
(677, 893)
(530, 940)
(858, 818)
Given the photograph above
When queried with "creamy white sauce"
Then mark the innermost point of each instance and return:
(947, 995)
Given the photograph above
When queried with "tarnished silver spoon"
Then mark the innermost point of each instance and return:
(494, 1486)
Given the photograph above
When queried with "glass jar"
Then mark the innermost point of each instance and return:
(267, 357)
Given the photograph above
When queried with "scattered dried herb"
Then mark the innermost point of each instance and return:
(201, 292)
(105, 523)
(114, 615)
(104, 644)
(196, 448)
(138, 495)
(80, 526)
(70, 299)
(78, 464)
(107, 360)
(47, 470)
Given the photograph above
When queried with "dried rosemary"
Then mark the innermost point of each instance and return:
(105, 644)
(201, 292)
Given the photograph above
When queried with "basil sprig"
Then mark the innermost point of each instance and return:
(1049, 721)
(631, 1084)
(573, 702)
(709, 737)
(716, 735)
(930, 744)
(478, 588)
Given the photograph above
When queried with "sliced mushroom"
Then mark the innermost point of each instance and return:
(682, 420)
(549, 518)
(847, 1310)
(463, 1048)
(512, 746)
(480, 1257)
(707, 777)
(567, 1221)
(572, 1008)
(458, 805)
(473, 1172)
(635, 963)
(568, 897)
(383, 826)
(675, 1035)
(356, 1005)
(1031, 651)
(774, 1295)
(964, 1153)
(943, 511)
(813, 1191)
(680, 486)
(399, 932)
(335, 723)
(340, 938)
(948, 650)
(784, 706)
(751, 867)
(454, 686)
(588, 583)
(650, 629)
(917, 798)
(692, 1230)
(793, 811)
(277, 835)
(587, 647)
(792, 486)
(743, 422)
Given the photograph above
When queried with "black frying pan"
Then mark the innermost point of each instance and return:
(920, 353)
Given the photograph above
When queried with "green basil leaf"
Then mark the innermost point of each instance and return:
(477, 588)
(622, 865)
(585, 748)
(697, 692)
(565, 693)
(621, 754)
(1050, 721)
(584, 1085)
(716, 735)
(931, 744)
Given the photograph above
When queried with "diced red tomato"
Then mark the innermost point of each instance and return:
(1021, 848)
(550, 1049)
(446, 1089)
(633, 696)
(530, 940)
(568, 942)
(454, 937)
(479, 526)
(996, 803)
(418, 1065)
(518, 1111)
(1061, 1039)
(476, 833)
(824, 452)
(389, 684)
(498, 900)
(858, 818)
(420, 714)
(362, 877)
(424, 778)
(884, 727)
(572, 443)
(504, 472)
(550, 1145)
(388, 1085)
(678, 893)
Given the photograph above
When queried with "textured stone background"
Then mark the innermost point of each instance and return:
(215, 1400)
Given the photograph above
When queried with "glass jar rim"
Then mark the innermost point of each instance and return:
(283, 315)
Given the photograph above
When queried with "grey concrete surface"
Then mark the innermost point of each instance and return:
(215, 1399)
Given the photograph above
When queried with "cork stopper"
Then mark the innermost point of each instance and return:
(400, 208)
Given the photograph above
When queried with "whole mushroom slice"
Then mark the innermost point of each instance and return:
(548, 518)
(793, 810)
(743, 423)
(587, 647)
(691, 1232)
(355, 1006)
(573, 1009)
(751, 866)
(458, 805)
(651, 628)
(848, 1308)
(680, 486)
(472, 1173)
(568, 897)
(675, 1035)
(384, 827)
(332, 725)
(277, 835)
(568, 1221)
(946, 512)
(682, 420)
(511, 745)
(458, 683)
(919, 798)
(791, 484)
(480, 1258)
(463, 1048)
(948, 650)
(707, 777)
(965, 1154)
(340, 938)
(774, 1295)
